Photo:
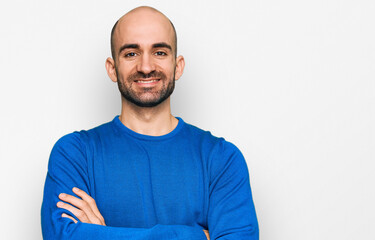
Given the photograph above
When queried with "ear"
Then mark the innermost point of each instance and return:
(180, 65)
(111, 69)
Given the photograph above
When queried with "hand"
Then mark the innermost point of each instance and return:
(84, 209)
(207, 235)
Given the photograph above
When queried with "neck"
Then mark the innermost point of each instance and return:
(152, 121)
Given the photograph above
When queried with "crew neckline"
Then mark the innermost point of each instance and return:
(122, 128)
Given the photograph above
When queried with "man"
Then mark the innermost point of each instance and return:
(146, 174)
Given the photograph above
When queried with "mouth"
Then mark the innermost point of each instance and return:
(147, 82)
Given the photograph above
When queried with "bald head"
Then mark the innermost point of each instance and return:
(137, 16)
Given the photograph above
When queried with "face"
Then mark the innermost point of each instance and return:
(145, 66)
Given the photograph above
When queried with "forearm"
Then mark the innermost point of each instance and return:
(57, 227)
(80, 231)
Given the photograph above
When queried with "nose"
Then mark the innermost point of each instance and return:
(146, 64)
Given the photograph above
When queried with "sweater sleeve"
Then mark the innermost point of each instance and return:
(67, 168)
(231, 213)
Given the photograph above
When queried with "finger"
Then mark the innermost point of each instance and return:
(67, 216)
(85, 210)
(87, 198)
(207, 234)
(75, 211)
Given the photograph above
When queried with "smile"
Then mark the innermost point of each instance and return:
(147, 81)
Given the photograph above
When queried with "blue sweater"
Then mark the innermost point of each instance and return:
(146, 187)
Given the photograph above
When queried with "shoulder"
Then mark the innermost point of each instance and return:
(201, 137)
(74, 146)
(83, 137)
(218, 144)
(224, 159)
(219, 151)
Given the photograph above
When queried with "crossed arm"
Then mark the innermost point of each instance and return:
(85, 208)
(75, 215)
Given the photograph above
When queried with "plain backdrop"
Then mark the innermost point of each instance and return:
(291, 83)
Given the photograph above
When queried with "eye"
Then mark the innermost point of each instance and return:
(160, 53)
(131, 54)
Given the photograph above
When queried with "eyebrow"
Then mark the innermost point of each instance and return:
(130, 45)
(136, 46)
(162, 45)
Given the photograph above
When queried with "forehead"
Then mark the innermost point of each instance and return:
(144, 28)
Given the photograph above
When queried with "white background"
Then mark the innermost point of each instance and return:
(291, 83)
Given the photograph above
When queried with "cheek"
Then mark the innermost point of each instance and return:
(124, 72)
(168, 69)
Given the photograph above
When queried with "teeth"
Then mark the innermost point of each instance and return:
(147, 81)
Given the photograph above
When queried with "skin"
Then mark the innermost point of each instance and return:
(144, 43)
(145, 26)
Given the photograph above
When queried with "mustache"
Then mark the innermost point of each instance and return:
(153, 74)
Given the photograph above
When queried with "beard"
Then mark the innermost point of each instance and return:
(154, 97)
